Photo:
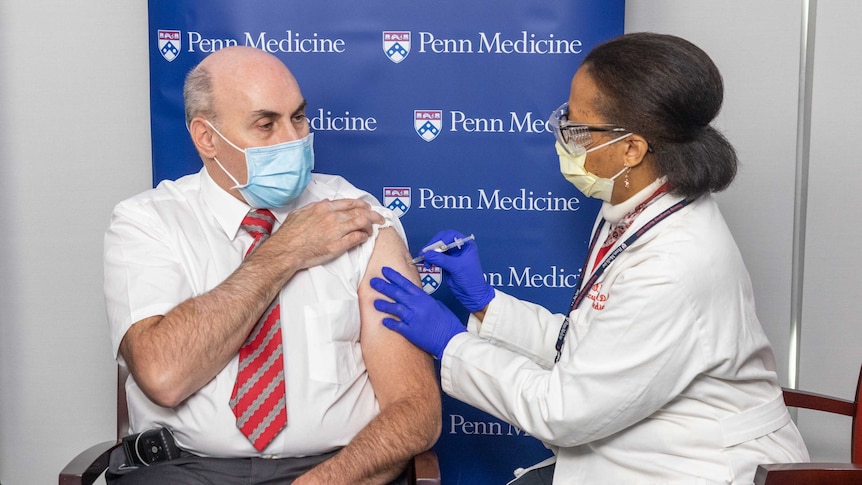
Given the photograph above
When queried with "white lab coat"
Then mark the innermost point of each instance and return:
(666, 375)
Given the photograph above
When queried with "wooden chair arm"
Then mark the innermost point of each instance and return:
(820, 402)
(85, 468)
(425, 469)
(808, 474)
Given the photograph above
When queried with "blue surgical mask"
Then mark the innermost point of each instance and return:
(277, 174)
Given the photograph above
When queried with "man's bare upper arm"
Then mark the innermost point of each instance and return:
(396, 367)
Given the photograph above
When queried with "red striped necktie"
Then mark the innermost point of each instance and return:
(258, 399)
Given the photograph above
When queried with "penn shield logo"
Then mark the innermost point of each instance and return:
(396, 45)
(170, 43)
(428, 123)
(397, 199)
(431, 278)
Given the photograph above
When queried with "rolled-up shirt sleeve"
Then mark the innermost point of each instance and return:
(143, 276)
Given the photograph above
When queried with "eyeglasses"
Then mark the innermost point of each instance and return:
(572, 135)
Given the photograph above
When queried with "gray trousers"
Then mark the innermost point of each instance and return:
(196, 470)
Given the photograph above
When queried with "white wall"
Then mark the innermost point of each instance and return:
(831, 339)
(74, 140)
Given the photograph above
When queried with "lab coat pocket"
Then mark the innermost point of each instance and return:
(332, 328)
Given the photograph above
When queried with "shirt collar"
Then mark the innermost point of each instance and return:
(614, 213)
(229, 211)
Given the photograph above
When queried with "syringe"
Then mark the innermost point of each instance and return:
(441, 247)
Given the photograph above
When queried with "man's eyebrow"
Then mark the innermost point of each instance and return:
(300, 109)
(265, 113)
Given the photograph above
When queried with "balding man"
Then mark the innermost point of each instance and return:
(262, 355)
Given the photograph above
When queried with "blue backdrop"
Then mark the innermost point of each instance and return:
(438, 109)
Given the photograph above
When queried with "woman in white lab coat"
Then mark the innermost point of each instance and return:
(661, 372)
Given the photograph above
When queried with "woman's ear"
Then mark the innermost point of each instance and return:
(636, 149)
(202, 137)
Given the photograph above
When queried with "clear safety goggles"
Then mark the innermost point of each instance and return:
(573, 136)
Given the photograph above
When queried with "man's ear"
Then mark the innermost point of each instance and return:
(636, 149)
(202, 137)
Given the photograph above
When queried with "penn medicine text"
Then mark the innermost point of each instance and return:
(526, 43)
(528, 277)
(526, 123)
(459, 425)
(290, 42)
(523, 200)
(295, 42)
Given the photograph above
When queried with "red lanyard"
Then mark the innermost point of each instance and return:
(625, 222)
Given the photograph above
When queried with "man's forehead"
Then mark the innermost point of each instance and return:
(257, 111)
(257, 96)
(280, 106)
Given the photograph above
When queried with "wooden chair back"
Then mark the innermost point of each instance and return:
(820, 473)
(818, 402)
(122, 404)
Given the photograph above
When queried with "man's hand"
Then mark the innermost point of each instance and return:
(319, 232)
(174, 355)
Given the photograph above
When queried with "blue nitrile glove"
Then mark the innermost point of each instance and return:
(462, 271)
(423, 320)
